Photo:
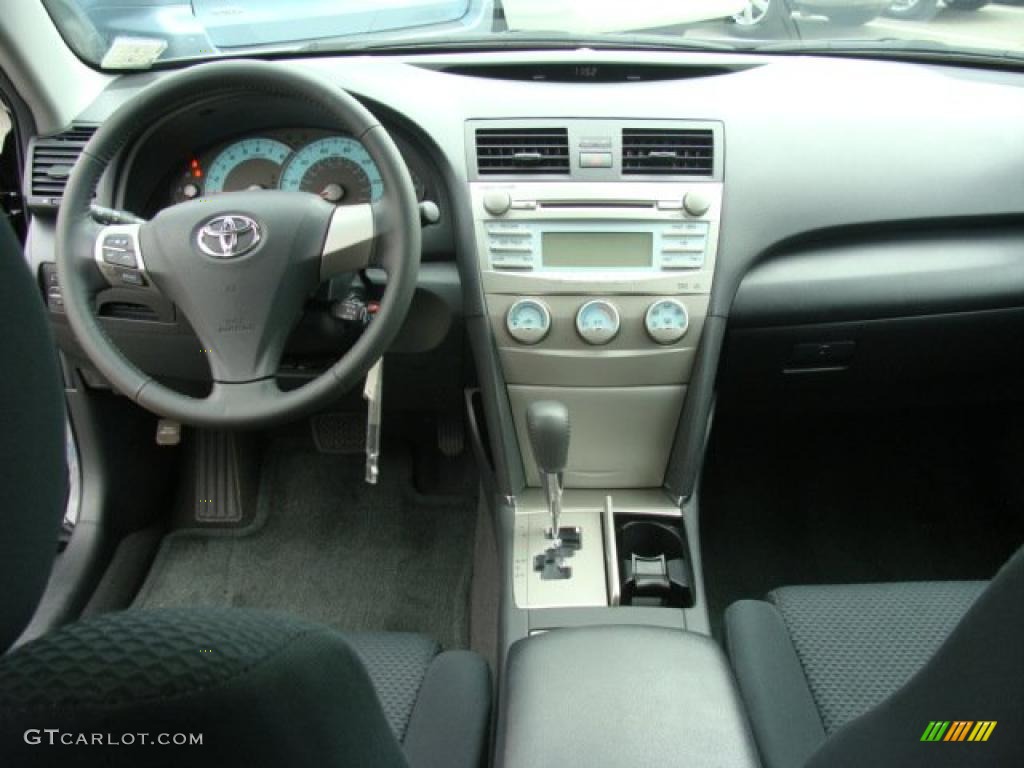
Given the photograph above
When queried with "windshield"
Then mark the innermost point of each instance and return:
(137, 34)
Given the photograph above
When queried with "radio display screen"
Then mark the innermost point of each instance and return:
(598, 249)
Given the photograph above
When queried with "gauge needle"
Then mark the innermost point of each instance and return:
(332, 193)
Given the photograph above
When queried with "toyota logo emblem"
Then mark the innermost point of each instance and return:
(226, 237)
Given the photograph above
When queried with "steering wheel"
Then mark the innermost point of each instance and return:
(240, 265)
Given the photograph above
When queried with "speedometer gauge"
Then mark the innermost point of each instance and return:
(248, 164)
(337, 168)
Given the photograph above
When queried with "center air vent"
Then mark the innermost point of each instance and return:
(50, 162)
(522, 151)
(656, 152)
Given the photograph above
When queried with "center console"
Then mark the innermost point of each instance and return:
(596, 243)
(621, 696)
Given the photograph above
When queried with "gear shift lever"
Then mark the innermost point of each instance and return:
(547, 423)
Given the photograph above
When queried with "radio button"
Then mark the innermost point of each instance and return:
(511, 262)
(499, 246)
(685, 245)
(682, 260)
(686, 228)
(508, 230)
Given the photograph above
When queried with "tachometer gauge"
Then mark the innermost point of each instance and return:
(338, 168)
(248, 164)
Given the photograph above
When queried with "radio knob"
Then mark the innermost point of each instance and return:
(696, 204)
(497, 203)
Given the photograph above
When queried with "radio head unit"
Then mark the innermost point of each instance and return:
(619, 237)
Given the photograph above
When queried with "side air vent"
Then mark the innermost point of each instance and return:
(51, 159)
(656, 152)
(522, 151)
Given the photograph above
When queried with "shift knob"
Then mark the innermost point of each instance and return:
(547, 424)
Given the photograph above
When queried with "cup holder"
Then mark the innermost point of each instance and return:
(654, 565)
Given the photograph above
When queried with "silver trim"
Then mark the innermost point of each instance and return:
(611, 552)
(349, 242)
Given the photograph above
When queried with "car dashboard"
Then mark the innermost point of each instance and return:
(634, 248)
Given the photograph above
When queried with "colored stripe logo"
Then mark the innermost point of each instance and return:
(958, 730)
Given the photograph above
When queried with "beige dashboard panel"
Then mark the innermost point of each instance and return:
(620, 436)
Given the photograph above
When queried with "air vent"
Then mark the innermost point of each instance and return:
(522, 151)
(655, 152)
(123, 310)
(50, 162)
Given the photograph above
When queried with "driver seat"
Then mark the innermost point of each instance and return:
(197, 687)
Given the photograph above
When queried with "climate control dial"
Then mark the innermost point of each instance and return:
(528, 321)
(666, 321)
(597, 322)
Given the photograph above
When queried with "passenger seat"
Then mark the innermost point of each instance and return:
(855, 674)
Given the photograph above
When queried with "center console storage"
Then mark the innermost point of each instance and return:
(621, 696)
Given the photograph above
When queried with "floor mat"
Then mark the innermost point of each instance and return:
(326, 546)
(859, 497)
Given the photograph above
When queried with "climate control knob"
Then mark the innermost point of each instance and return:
(597, 322)
(528, 321)
(666, 321)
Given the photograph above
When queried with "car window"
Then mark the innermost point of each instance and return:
(136, 34)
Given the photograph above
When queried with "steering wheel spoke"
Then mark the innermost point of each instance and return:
(349, 245)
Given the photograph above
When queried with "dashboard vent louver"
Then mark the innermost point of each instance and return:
(51, 159)
(657, 152)
(522, 151)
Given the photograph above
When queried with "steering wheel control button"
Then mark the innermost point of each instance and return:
(666, 321)
(497, 203)
(528, 321)
(229, 236)
(119, 250)
(131, 277)
(597, 322)
(696, 203)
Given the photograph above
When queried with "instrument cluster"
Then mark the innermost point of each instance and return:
(337, 167)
